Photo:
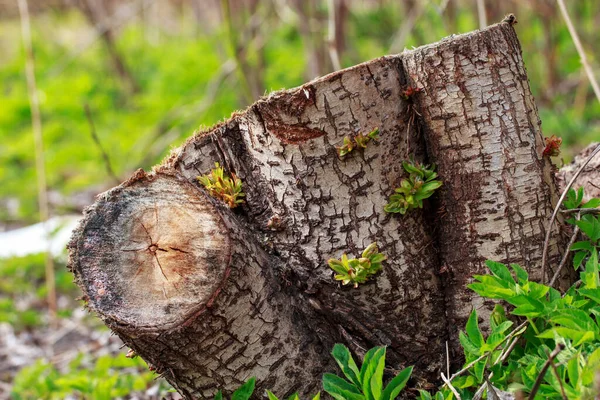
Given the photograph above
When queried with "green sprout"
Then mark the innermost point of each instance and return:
(358, 270)
(222, 187)
(359, 141)
(420, 185)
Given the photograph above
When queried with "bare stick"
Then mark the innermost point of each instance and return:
(447, 360)
(447, 382)
(566, 255)
(36, 122)
(540, 378)
(331, 39)
(109, 169)
(557, 208)
(581, 211)
(409, 22)
(579, 47)
(235, 48)
(562, 388)
(481, 14)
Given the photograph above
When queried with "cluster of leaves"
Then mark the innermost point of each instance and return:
(552, 148)
(420, 185)
(225, 188)
(359, 141)
(108, 378)
(358, 270)
(513, 358)
(365, 383)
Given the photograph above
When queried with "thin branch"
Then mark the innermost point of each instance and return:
(540, 378)
(36, 122)
(447, 360)
(107, 165)
(560, 383)
(331, 39)
(237, 52)
(581, 211)
(481, 13)
(579, 48)
(409, 23)
(557, 208)
(447, 382)
(566, 255)
(120, 17)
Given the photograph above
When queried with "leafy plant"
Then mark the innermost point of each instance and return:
(359, 141)
(555, 351)
(225, 188)
(358, 270)
(366, 383)
(420, 185)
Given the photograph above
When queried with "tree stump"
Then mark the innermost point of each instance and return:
(211, 296)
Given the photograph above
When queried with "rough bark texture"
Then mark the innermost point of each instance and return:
(247, 292)
(482, 127)
(589, 177)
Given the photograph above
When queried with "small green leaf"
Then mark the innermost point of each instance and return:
(424, 395)
(522, 275)
(219, 396)
(373, 364)
(340, 389)
(592, 203)
(500, 270)
(376, 382)
(582, 245)
(344, 359)
(271, 395)
(393, 389)
(245, 391)
(473, 331)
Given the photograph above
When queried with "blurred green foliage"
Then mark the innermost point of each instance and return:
(107, 377)
(23, 290)
(174, 74)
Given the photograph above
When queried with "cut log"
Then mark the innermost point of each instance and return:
(482, 127)
(211, 296)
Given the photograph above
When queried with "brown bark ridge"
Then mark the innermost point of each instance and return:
(211, 296)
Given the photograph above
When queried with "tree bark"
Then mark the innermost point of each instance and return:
(211, 296)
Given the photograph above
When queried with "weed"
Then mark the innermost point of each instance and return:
(222, 187)
(358, 270)
(359, 141)
(420, 185)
